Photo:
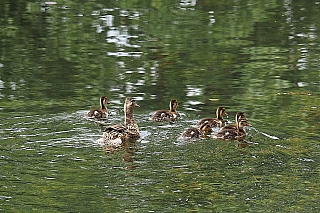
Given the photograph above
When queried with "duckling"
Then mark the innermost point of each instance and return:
(194, 132)
(115, 135)
(167, 115)
(215, 122)
(233, 134)
(101, 113)
(239, 116)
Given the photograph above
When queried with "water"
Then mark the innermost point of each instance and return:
(56, 60)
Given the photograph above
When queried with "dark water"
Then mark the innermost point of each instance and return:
(57, 59)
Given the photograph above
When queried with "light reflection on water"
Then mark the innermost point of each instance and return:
(50, 154)
(158, 165)
(154, 168)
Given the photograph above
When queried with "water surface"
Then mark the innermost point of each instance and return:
(58, 58)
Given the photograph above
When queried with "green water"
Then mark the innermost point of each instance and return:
(258, 57)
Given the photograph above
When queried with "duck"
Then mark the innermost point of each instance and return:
(196, 132)
(101, 113)
(115, 135)
(215, 122)
(167, 115)
(239, 116)
(230, 133)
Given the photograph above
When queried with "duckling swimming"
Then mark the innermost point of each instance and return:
(115, 135)
(230, 133)
(167, 115)
(239, 116)
(101, 113)
(215, 122)
(196, 132)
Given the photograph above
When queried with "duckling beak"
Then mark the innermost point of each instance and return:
(136, 105)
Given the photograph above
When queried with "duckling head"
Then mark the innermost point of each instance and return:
(104, 100)
(240, 116)
(205, 127)
(173, 105)
(243, 122)
(221, 111)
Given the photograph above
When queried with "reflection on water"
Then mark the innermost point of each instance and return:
(58, 58)
(62, 151)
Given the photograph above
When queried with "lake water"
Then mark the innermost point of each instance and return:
(58, 58)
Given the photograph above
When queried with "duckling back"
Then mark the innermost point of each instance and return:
(164, 115)
(215, 122)
(196, 132)
(190, 133)
(231, 133)
(167, 115)
(97, 113)
(101, 113)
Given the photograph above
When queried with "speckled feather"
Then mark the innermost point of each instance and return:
(167, 115)
(239, 116)
(196, 132)
(215, 122)
(100, 113)
(115, 135)
(237, 133)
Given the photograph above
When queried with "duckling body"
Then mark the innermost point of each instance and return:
(115, 135)
(194, 132)
(230, 133)
(167, 115)
(215, 122)
(239, 116)
(101, 113)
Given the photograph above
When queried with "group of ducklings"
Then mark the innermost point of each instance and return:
(225, 132)
(116, 134)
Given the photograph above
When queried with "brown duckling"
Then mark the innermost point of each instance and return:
(115, 135)
(239, 116)
(167, 115)
(233, 134)
(101, 113)
(196, 132)
(215, 122)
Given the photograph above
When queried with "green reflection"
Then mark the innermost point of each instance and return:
(258, 57)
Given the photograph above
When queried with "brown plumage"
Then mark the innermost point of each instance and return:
(101, 113)
(239, 116)
(167, 115)
(215, 122)
(115, 135)
(194, 132)
(237, 133)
